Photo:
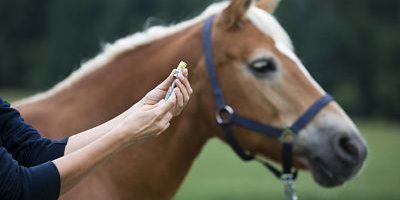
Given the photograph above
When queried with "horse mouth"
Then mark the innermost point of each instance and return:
(324, 175)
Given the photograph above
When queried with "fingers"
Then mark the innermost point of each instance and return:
(183, 91)
(185, 82)
(167, 117)
(186, 72)
(179, 98)
(161, 102)
(180, 95)
(167, 82)
(164, 128)
(167, 106)
(164, 122)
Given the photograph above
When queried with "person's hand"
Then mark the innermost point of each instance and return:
(151, 115)
(182, 94)
(146, 120)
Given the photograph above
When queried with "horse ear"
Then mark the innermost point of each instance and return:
(268, 5)
(235, 13)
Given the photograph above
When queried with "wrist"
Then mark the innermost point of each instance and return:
(135, 106)
(121, 134)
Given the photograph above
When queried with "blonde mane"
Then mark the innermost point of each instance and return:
(261, 19)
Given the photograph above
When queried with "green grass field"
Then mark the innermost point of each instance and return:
(219, 174)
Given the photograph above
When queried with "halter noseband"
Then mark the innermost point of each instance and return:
(225, 117)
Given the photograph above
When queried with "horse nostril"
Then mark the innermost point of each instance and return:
(348, 150)
(346, 146)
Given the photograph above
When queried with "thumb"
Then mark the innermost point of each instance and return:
(168, 81)
(166, 106)
(161, 102)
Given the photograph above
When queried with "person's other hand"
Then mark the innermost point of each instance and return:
(146, 120)
(182, 94)
(151, 115)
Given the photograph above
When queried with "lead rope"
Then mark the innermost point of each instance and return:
(287, 176)
(289, 187)
(288, 179)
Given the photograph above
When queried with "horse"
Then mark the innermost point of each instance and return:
(260, 77)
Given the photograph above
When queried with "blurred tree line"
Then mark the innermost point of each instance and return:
(351, 47)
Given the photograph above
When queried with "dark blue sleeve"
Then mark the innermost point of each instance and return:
(27, 183)
(24, 142)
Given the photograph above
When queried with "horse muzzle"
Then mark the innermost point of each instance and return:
(336, 158)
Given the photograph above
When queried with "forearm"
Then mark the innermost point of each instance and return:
(76, 165)
(82, 139)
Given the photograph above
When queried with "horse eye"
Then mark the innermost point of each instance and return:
(263, 65)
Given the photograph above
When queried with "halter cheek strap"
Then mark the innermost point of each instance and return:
(225, 117)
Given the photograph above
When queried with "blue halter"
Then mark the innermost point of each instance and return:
(226, 116)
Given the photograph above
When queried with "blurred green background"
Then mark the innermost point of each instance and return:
(352, 48)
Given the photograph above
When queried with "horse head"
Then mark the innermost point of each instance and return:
(262, 78)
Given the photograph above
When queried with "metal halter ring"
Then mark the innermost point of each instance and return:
(224, 115)
(288, 135)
